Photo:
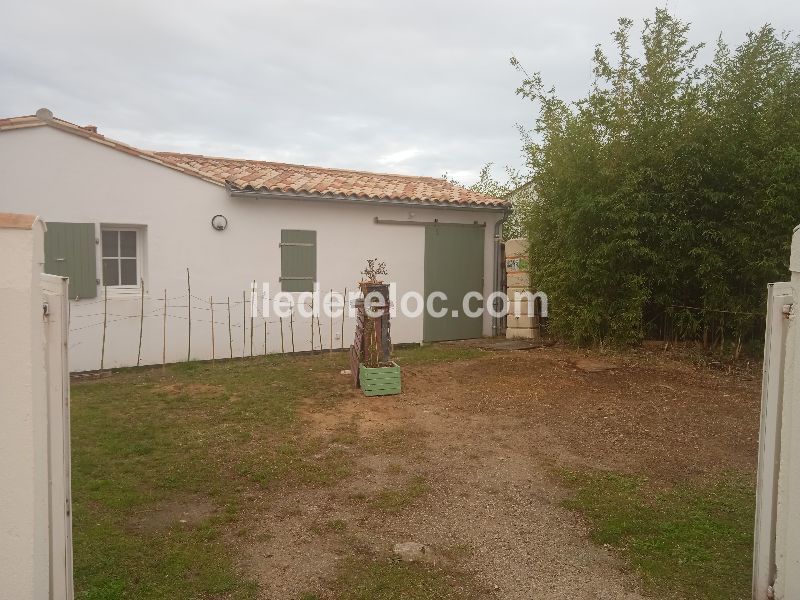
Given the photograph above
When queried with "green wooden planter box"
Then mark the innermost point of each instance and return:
(379, 381)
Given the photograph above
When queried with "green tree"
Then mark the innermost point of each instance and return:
(516, 190)
(668, 186)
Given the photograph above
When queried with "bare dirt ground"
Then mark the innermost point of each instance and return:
(465, 461)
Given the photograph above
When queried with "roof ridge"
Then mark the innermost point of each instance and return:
(305, 166)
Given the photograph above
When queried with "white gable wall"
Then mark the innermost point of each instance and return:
(63, 177)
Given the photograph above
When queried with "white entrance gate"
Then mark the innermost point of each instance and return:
(776, 556)
(55, 309)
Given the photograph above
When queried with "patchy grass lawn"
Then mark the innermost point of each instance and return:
(391, 580)
(150, 446)
(435, 353)
(272, 478)
(396, 499)
(163, 457)
(694, 540)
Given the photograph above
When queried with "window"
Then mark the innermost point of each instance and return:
(298, 260)
(121, 263)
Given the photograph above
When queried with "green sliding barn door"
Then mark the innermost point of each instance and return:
(453, 265)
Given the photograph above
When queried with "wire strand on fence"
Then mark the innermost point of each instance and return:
(716, 310)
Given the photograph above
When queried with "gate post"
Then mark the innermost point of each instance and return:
(779, 297)
(35, 512)
(787, 526)
(24, 511)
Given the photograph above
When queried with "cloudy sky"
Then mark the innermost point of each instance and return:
(404, 86)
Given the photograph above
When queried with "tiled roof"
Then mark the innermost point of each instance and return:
(256, 175)
(16, 221)
(242, 175)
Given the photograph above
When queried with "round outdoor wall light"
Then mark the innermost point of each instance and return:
(219, 222)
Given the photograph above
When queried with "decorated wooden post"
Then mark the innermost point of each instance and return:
(370, 355)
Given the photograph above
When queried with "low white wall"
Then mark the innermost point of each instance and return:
(24, 542)
(66, 178)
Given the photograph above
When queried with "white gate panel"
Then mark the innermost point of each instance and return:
(769, 441)
(776, 555)
(56, 329)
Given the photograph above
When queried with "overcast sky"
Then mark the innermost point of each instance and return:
(404, 86)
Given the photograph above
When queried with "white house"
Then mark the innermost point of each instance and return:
(133, 227)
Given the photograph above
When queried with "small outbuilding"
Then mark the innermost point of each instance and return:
(164, 247)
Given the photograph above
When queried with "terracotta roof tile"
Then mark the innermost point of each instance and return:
(16, 221)
(255, 175)
(262, 176)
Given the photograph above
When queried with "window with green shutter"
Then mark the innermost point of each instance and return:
(298, 260)
(70, 251)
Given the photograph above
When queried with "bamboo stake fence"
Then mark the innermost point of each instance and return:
(291, 330)
(230, 334)
(165, 307)
(312, 324)
(141, 325)
(189, 305)
(319, 332)
(164, 344)
(345, 310)
(105, 323)
(213, 349)
(252, 299)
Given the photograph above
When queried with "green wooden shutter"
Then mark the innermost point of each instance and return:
(298, 260)
(69, 251)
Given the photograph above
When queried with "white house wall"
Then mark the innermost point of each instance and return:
(63, 177)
